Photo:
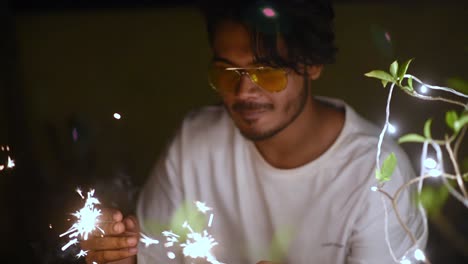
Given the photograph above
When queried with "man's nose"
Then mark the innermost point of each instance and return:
(246, 86)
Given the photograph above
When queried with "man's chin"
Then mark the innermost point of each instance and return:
(256, 135)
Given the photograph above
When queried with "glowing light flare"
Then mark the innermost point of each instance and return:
(171, 255)
(419, 255)
(430, 163)
(374, 189)
(432, 166)
(391, 129)
(423, 89)
(405, 261)
(87, 220)
(117, 116)
(269, 12)
(388, 37)
(75, 134)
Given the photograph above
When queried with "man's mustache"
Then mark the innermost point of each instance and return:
(251, 106)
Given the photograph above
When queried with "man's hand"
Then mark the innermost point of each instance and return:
(119, 241)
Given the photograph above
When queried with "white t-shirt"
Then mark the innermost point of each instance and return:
(321, 212)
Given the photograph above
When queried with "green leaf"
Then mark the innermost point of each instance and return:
(410, 83)
(384, 83)
(403, 69)
(380, 75)
(450, 118)
(464, 164)
(460, 123)
(411, 138)
(387, 168)
(394, 69)
(433, 199)
(458, 84)
(427, 129)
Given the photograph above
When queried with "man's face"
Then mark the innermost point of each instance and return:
(257, 113)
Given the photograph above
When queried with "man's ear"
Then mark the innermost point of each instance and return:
(314, 71)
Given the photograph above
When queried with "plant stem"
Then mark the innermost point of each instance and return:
(457, 170)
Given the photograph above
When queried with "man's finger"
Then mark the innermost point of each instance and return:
(109, 243)
(131, 224)
(110, 228)
(110, 255)
(110, 215)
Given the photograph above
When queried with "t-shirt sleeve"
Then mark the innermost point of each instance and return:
(159, 199)
(368, 243)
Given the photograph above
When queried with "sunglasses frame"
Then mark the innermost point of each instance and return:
(244, 71)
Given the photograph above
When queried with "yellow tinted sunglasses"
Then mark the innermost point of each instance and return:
(226, 79)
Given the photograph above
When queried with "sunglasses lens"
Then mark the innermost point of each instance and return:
(223, 80)
(270, 79)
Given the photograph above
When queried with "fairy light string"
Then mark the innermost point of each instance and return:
(436, 171)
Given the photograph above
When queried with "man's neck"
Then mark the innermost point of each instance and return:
(305, 139)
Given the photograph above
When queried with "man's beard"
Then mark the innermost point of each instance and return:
(298, 104)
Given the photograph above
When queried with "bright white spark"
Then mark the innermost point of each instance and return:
(199, 245)
(210, 222)
(419, 255)
(148, 240)
(70, 243)
(117, 116)
(423, 89)
(391, 129)
(202, 207)
(82, 253)
(11, 163)
(374, 189)
(87, 219)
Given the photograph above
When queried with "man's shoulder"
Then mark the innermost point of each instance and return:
(207, 126)
(206, 118)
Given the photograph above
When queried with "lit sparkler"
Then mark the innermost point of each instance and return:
(196, 245)
(10, 162)
(87, 219)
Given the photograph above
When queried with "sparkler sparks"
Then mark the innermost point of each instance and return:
(196, 245)
(148, 240)
(82, 253)
(10, 162)
(87, 219)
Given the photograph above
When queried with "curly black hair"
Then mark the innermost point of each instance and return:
(305, 26)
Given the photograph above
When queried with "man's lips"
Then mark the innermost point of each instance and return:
(250, 114)
(250, 111)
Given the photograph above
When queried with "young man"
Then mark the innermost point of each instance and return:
(287, 175)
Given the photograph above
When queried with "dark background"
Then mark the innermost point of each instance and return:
(67, 66)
